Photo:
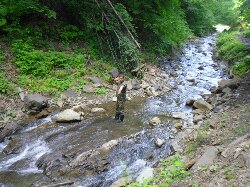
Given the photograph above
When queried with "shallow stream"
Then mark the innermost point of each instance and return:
(192, 77)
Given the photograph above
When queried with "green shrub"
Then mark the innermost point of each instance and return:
(71, 33)
(231, 49)
(6, 86)
(52, 85)
(40, 63)
(172, 170)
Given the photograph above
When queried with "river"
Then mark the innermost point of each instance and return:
(43, 147)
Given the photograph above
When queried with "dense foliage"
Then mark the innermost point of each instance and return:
(231, 49)
(54, 43)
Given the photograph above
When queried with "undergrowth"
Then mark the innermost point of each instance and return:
(171, 170)
(6, 86)
(2, 56)
(231, 49)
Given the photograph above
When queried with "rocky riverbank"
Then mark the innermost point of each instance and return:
(16, 112)
(216, 149)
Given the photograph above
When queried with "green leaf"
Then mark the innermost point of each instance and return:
(2, 22)
(3, 10)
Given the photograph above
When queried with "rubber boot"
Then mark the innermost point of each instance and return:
(121, 118)
(117, 116)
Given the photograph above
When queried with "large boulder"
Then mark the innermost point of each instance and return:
(230, 83)
(68, 115)
(145, 174)
(159, 142)
(207, 159)
(35, 102)
(109, 145)
(96, 80)
(203, 105)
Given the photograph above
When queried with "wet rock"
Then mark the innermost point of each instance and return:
(190, 102)
(43, 114)
(114, 72)
(155, 121)
(190, 79)
(98, 110)
(201, 68)
(9, 129)
(96, 80)
(207, 159)
(122, 182)
(150, 91)
(35, 102)
(87, 163)
(81, 158)
(13, 147)
(174, 74)
(179, 115)
(203, 105)
(109, 145)
(68, 115)
(178, 125)
(145, 174)
(159, 142)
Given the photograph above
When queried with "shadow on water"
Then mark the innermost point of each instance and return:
(195, 74)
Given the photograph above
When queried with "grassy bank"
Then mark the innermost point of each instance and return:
(232, 47)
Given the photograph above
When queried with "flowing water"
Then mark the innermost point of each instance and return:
(194, 74)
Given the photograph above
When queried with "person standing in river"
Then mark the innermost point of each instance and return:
(121, 98)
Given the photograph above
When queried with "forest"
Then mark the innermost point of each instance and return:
(52, 44)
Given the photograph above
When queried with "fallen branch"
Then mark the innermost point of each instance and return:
(131, 35)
